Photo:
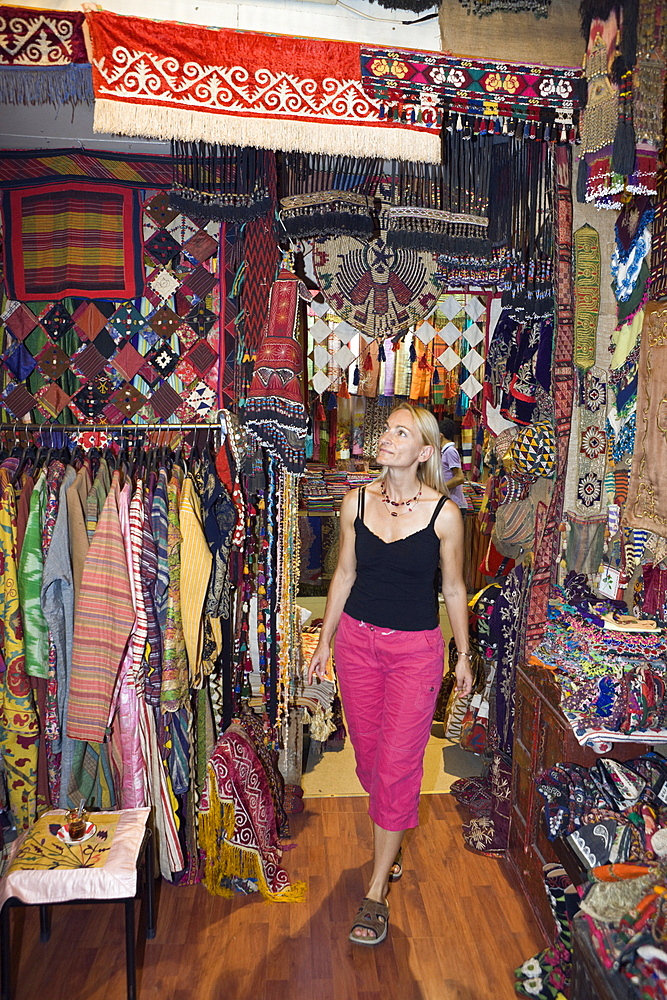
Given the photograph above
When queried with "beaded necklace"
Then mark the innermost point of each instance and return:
(399, 503)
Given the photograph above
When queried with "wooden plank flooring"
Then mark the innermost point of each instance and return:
(458, 928)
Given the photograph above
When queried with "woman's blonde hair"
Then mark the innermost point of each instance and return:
(430, 471)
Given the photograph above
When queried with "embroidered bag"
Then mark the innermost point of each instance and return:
(514, 530)
(533, 450)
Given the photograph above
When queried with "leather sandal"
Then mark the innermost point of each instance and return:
(373, 916)
(396, 869)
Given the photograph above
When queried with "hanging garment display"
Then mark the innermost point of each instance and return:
(243, 87)
(376, 288)
(328, 195)
(481, 95)
(227, 183)
(274, 411)
(586, 294)
(43, 57)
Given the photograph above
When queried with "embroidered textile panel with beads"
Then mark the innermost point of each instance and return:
(151, 359)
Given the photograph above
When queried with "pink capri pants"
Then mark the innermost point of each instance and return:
(389, 683)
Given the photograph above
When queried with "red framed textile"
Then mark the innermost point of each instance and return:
(79, 239)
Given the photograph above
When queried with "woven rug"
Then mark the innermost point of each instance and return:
(474, 93)
(586, 294)
(74, 239)
(43, 57)
(158, 78)
(378, 289)
(647, 494)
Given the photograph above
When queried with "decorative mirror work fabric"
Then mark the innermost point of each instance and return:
(479, 94)
(378, 289)
(78, 239)
(160, 78)
(152, 358)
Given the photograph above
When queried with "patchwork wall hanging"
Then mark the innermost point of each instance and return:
(376, 288)
(160, 78)
(586, 295)
(43, 57)
(647, 494)
(153, 358)
(77, 238)
(482, 95)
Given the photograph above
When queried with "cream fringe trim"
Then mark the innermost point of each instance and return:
(156, 122)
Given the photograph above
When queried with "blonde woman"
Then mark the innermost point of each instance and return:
(389, 651)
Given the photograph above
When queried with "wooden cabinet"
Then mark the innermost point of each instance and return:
(542, 737)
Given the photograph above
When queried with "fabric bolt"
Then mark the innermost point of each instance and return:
(105, 617)
(19, 725)
(77, 496)
(29, 580)
(401, 672)
(196, 562)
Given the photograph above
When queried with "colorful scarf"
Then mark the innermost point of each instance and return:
(158, 78)
(237, 824)
(22, 168)
(586, 294)
(43, 57)
(485, 96)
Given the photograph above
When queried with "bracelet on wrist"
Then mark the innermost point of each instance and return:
(461, 652)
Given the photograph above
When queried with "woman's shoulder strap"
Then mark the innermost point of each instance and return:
(361, 501)
(438, 507)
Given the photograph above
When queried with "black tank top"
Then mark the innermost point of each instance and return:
(396, 581)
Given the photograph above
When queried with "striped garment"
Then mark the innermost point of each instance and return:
(174, 691)
(82, 239)
(196, 562)
(104, 621)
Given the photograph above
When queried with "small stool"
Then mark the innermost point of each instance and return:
(109, 864)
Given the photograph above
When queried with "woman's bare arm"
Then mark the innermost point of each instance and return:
(340, 586)
(449, 528)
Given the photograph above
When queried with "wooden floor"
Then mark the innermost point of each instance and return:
(458, 928)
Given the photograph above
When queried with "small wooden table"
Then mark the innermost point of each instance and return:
(44, 870)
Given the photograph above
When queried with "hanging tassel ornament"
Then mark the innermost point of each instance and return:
(332, 402)
(368, 362)
(319, 411)
(343, 391)
(413, 353)
(436, 376)
(356, 377)
(381, 355)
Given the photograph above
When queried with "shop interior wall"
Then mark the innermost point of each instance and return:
(553, 41)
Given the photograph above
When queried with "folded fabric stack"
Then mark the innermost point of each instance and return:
(315, 497)
(474, 494)
(614, 818)
(337, 485)
(613, 682)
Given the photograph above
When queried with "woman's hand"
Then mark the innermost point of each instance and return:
(319, 662)
(463, 675)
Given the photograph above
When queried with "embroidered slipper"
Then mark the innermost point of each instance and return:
(373, 916)
(628, 623)
(396, 870)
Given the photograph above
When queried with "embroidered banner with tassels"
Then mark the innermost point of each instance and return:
(163, 79)
(478, 94)
(43, 57)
